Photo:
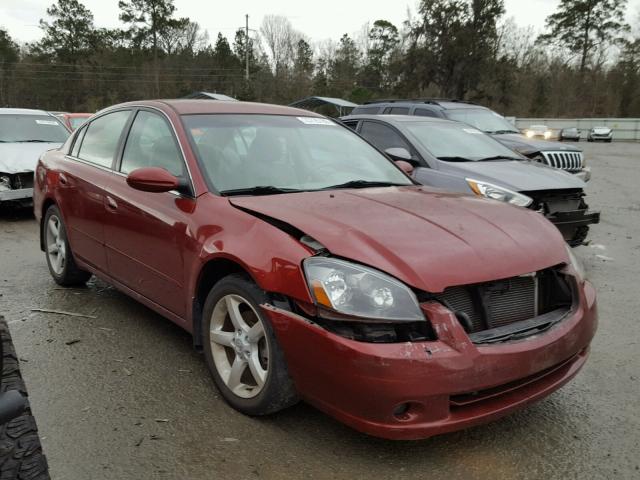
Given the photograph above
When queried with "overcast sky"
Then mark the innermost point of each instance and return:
(318, 20)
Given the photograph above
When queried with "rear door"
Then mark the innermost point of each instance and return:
(147, 233)
(81, 194)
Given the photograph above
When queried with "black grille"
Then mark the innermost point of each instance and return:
(21, 180)
(495, 304)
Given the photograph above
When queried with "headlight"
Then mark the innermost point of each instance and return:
(489, 190)
(576, 264)
(358, 291)
(529, 133)
(547, 135)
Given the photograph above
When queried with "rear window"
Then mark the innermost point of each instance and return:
(397, 111)
(31, 128)
(365, 110)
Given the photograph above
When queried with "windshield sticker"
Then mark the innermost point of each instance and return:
(315, 121)
(46, 122)
(471, 130)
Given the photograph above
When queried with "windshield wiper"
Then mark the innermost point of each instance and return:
(259, 190)
(456, 159)
(500, 132)
(34, 141)
(499, 157)
(365, 184)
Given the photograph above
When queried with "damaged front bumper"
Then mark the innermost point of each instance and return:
(574, 224)
(12, 195)
(414, 390)
(16, 186)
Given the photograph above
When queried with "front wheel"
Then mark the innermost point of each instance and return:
(241, 350)
(62, 265)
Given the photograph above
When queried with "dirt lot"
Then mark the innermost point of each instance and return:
(123, 395)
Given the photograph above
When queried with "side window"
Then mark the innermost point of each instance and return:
(101, 139)
(382, 136)
(399, 111)
(77, 142)
(424, 112)
(151, 144)
(352, 125)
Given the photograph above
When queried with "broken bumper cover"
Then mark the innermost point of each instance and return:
(19, 194)
(415, 390)
(574, 224)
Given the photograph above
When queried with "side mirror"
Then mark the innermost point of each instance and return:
(152, 179)
(399, 153)
(406, 167)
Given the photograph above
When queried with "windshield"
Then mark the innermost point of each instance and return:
(289, 153)
(456, 142)
(481, 118)
(31, 128)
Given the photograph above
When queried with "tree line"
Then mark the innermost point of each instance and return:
(587, 63)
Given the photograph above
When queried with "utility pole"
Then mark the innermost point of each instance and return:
(246, 47)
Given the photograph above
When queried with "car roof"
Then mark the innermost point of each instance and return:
(398, 119)
(445, 104)
(22, 111)
(201, 106)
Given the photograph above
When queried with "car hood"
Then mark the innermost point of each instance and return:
(517, 175)
(429, 239)
(22, 157)
(526, 146)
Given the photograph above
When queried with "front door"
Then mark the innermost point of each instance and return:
(146, 233)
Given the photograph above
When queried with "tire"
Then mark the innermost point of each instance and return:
(66, 272)
(21, 456)
(244, 392)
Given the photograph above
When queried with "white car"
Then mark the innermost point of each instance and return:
(24, 136)
(604, 134)
(539, 131)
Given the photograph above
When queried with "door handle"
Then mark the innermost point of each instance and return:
(111, 203)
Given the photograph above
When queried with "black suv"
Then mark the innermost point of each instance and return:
(554, 154)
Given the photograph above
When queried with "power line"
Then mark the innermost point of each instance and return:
(56, 65)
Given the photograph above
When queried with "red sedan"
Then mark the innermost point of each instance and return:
(309, 266)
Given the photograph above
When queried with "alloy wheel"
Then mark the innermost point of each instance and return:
(239, 346)
(56, 245)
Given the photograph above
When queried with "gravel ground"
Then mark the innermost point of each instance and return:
(123, 395)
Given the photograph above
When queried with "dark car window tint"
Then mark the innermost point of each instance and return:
(78, 142)
(424, 112)
(101, 140)
(382, 136)
(365, 111)
(151, 144)
(351, 125)
(399, 111)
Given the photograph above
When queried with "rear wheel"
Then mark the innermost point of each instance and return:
(241, 350)
(62, 265)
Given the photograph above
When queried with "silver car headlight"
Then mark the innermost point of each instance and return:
(576, 264)
(354, 290)
(489, 190)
